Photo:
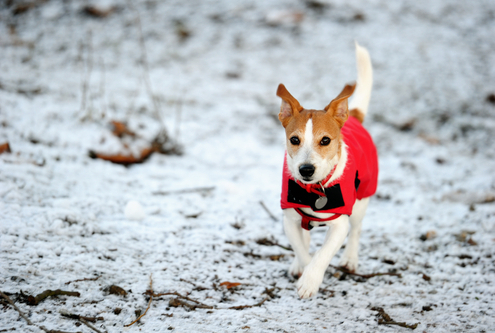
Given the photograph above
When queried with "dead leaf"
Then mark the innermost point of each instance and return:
(120, 129)
(5, 148)
(116, 290)
(123, 159)
(98, 12)
(230, 285)
(428, 235)
(471, 242)
(462, 237)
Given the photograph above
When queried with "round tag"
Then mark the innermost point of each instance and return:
(321, 202)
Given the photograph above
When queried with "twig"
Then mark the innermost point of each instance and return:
(85, 279)
(242, 307)
(35, 300)
(174, 293)
(102, 89)
(29, 322)
(7, 298)
(175, 302)
(364, 276)
(149, 303)
(79, 317)
(269, 242)
(82, 320)
(387, 320)
(196, 287)
(87, 76)
(268, 211)
(191, 190)
(178, 119)
(144, 60)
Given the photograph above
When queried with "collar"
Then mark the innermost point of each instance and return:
(318, 187)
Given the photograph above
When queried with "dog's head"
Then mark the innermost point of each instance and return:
(313, 136)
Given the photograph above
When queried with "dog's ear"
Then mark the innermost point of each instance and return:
(338, 107)
(290, 106)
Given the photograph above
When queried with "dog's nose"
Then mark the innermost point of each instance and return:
(306, 170)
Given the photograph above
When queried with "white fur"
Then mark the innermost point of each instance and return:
(312, 269)
(362, 94)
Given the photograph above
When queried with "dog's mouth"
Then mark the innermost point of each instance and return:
(307, 180)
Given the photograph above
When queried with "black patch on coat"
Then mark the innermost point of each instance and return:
(357, 181)
(297, 194)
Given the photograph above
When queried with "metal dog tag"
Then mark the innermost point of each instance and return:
(321, 202)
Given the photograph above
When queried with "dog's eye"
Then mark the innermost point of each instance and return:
(325, 141)
(295, 141)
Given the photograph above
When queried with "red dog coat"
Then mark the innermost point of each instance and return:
(358, 181)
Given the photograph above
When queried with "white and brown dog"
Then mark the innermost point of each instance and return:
(330, 172)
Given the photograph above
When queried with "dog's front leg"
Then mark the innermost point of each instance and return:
(312, 277)
(298, 239)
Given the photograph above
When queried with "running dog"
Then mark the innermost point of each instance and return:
(330, 173)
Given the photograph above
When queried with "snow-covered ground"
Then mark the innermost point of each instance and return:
(213, 68)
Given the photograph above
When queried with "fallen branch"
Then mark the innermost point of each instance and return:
(85, 279)
(149, 304)
(49, 293)
(29, 322)
(364, 276)
(387, 320)
(242, 307)
(176, 302)
(196, 287)
(174, 293)
(180, 300)
(79, 317)
(7, 298)
(269, 242)
(89, 325)
(84, 320)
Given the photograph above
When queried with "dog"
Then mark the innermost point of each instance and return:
(330, 173)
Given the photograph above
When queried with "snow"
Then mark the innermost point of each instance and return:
(66, 75)
(134, 211)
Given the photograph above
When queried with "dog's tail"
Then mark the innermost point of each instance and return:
(358, 107)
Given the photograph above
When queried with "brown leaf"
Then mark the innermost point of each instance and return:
(230, 285)
(123, 159)
(120, 129)
(116, 290)
(5, 147)
(471, 242)
(98, 12)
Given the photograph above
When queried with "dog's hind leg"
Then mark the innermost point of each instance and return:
(349, 258)
(299, 240)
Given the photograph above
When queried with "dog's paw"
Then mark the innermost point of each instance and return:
(349, 262)
(296, 269)
(308, 284)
